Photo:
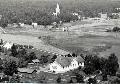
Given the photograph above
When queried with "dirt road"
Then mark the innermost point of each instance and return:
(30, 40)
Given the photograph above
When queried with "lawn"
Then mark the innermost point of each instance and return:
(78, 40)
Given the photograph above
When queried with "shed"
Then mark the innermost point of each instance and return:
(35, 61)
(34, 24)
(26, 70)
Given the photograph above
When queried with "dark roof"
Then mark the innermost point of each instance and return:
(79, 59)
(64, 61)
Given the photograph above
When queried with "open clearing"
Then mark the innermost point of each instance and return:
(79, 38)
(34, 41)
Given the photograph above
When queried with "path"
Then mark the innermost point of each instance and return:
(34, 41)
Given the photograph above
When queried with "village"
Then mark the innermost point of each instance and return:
(60, 47)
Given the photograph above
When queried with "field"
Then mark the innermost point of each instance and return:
(80, 38)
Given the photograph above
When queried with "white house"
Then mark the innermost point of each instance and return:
(34, 24)
(76, 14)
(7, 45)
(21, 24)
(64, 64)
(103, 16)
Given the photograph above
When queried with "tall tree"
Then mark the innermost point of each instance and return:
(58, 79)
(14, 50)
(112, 65)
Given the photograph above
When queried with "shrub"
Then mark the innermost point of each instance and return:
(10, 67)
(116, 29)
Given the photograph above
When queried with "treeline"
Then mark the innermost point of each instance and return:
(42, 17)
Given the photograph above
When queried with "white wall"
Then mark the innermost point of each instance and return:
(59, 69)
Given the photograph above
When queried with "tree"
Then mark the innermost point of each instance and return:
(9, 67)
(74, 55)
(96, 62)
(14, 50)
(32, 56)
(102, 63)
(43, 59)
(15, 79)
(116, 29)
(92, 81)
(1, 63)
(23, 54)
(53, 58)
(69, 55)
(22, 63)
(3, 22)
(89, 66)
(79, 78)
(112, 65)
(1, 42)
(58, 79)
(71, 81)
(45, 20)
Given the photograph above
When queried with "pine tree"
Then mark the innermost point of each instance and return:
(14, 50)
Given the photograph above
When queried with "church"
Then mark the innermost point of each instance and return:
(57, 10)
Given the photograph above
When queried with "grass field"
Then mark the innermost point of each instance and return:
(78, 39)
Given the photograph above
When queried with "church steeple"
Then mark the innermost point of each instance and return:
(57, 11)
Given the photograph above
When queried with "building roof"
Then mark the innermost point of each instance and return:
(26, 70)
(64, 61)
(7, 43)
(79, 59)
(35, 61)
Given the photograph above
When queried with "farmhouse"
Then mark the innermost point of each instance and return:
(64, 64)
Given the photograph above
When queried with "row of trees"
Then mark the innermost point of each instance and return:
(40, 17)
(106, 66)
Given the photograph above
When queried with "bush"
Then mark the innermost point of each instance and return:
(32, 56)
(15, 79)
(58, 79)
(3, 24)
(92, 81)
(112, 65)
(22, 63)
(116, 29)
(14, 50)
(10, 67)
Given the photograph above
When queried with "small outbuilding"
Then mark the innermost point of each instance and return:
(35, 61)
(21, 24)
(34, 25)
(26, 70)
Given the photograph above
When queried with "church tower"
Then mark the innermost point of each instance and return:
(57, 10)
